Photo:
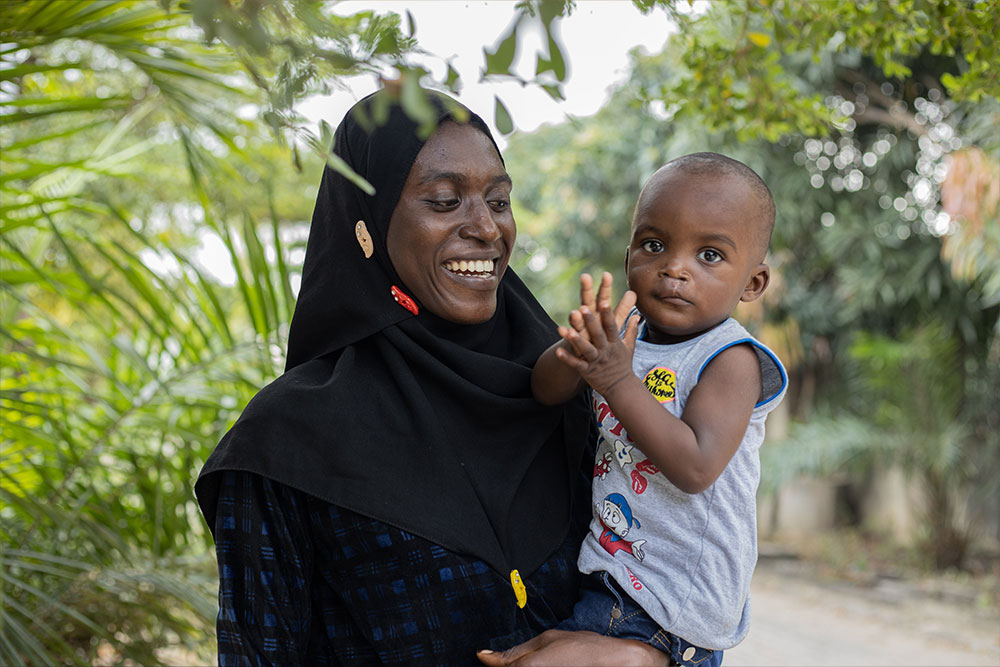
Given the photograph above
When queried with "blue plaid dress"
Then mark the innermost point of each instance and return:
(306, 582)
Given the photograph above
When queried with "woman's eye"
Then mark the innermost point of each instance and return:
(709, 255)
(651, 246)
(444, 202)
(500, 204)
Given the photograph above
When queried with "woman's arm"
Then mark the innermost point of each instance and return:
(265, 564)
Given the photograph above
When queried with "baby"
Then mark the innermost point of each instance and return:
(680, 395)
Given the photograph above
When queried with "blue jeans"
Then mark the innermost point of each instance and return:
(605, 608)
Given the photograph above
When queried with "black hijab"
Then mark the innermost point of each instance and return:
(421, 423)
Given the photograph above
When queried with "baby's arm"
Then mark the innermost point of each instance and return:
(691, 451)
(554, 382)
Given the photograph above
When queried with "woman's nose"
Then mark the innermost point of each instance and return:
(480, 224)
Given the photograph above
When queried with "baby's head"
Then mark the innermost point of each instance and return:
(700, 232)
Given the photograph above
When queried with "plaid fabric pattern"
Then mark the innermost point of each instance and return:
(302, 581)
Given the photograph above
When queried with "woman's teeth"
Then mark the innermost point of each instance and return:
(480, 267)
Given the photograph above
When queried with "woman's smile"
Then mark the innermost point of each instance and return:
(471, 268)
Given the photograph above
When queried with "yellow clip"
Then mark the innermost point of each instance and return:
(519, 589)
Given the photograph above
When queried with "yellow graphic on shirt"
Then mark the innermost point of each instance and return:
(662, 384)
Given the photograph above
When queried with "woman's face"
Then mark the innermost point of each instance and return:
(452, 231)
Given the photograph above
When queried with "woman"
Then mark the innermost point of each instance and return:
(397, 495)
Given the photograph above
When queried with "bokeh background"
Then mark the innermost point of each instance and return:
(160, 160)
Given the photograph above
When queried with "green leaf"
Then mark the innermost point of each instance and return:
(453, 81)
(500, 59)
(556, 61)
(554, 91)
(336, 163)
(415, 102)
(502, 117)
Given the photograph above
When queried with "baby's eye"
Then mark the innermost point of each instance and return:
(710, 255)
(651, 245)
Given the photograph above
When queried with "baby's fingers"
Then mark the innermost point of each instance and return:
(624, 307)
(608, 322)
(631, 332)
(578, 345)
(604, 291)
(587, 291)
(574, 362)
(595, 328)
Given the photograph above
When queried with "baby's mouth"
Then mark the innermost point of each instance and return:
(673, 294)
(480, 268)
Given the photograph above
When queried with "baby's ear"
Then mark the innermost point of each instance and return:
(756, 283)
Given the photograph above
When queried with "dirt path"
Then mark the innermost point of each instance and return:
(800, 621)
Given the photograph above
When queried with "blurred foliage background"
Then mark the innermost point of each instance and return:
(136, 134)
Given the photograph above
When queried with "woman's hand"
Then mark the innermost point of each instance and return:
(559, 647)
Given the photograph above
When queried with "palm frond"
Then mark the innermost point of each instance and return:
(124, 360)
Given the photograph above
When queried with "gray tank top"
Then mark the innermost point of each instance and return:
(687, 559)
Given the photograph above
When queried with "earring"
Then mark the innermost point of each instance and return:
(364, 238)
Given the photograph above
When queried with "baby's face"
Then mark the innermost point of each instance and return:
(694, 254)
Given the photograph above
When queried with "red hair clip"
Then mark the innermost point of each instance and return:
(404, 300)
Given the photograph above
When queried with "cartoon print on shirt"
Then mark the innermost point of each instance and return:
(616, 517)
(638, 481)
(603, 466)
(623, 453)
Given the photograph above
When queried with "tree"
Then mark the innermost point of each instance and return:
(922, 412)
(123, 358)
(748, 66)
(863, 248)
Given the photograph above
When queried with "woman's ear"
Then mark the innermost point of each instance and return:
(756, 283)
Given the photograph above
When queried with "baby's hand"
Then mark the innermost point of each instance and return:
(602, 301)
(602, 359)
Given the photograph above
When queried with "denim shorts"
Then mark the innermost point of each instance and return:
(605, 608)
